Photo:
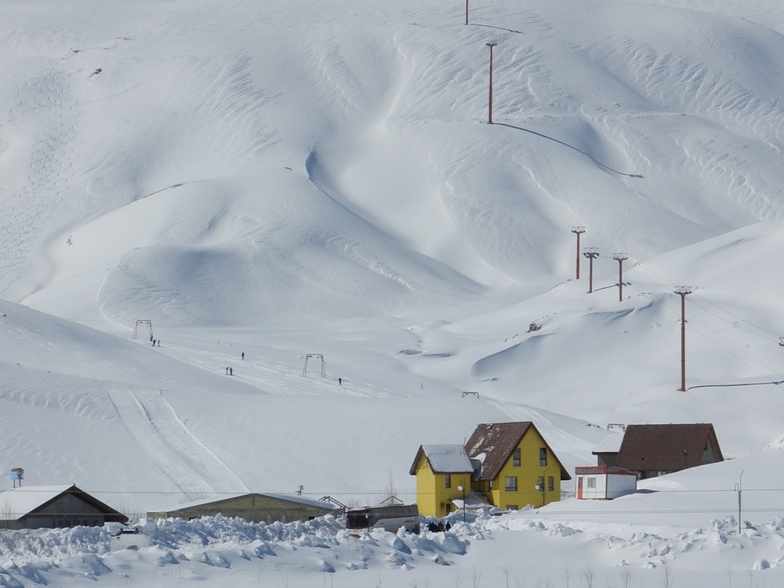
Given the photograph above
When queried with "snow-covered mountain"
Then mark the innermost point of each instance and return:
(284, 179)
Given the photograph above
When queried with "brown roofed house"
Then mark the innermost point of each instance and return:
(518, 466)
(656, 450)
(508, 465)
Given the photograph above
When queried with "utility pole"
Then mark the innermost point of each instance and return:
(578, 231)
(683, 291)
(591, 253)
(490, 44)
(466, 11)
(620, 258)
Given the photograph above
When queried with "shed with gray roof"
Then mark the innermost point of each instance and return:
(36, 507)
(256, 508)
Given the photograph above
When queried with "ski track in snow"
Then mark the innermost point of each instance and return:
(44, 109)
(164, 438)
(555, 435)
(276, 378)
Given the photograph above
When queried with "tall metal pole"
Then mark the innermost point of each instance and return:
(578, 230)
(683, 291)
(620, 258)
(739, 490)
(591, 253)
(466, 11)
(490, 44)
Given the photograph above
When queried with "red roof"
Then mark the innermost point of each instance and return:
(668, 448)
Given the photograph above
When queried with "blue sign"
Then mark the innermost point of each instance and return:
(15, 475)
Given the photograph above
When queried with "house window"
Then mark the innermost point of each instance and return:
(510, 483)
(590, 482)
(516, 458)
(550, 484)
(543, 456)
(447, 481)
(540, 483)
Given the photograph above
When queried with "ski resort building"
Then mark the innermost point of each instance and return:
(255, 508)
(49, 507)
(603, 482)
(656, 450)
(507, 465)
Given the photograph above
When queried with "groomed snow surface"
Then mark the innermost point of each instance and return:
(268, 180)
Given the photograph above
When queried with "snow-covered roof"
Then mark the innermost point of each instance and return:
(448, 459)
(610, 444)
(223, 497)
(17, 502)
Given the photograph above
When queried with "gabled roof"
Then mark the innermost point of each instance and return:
(493, 445)
(666, 447)
(444, 459)
(17, 503)
(610, 444)
(303, 500)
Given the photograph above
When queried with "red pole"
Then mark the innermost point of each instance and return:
(578, 231)
(491, 44)
(683, 291)
(591, 253)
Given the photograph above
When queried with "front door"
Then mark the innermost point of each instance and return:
(579, 487)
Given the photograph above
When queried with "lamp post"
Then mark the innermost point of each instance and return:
(541, 487)
(739, 490)
(462, 492)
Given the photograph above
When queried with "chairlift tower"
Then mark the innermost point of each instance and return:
(315, 356)
(620, 258)
(142, 323)
(591, 253)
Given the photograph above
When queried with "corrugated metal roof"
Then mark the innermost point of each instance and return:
(229, 497)
(670, 447)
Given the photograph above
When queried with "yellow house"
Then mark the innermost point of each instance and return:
(443, 473)
(518, 466)
(508, 465)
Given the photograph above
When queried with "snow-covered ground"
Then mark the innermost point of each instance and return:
(284, 179)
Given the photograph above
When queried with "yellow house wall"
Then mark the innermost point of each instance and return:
(432, 494)
(527, 474)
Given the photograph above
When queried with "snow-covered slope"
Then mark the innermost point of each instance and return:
(284, 179)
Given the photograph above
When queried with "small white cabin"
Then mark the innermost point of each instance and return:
(604, 483)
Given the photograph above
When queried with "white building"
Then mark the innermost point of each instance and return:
(604, 483)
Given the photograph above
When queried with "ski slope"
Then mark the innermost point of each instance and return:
(278, 180)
